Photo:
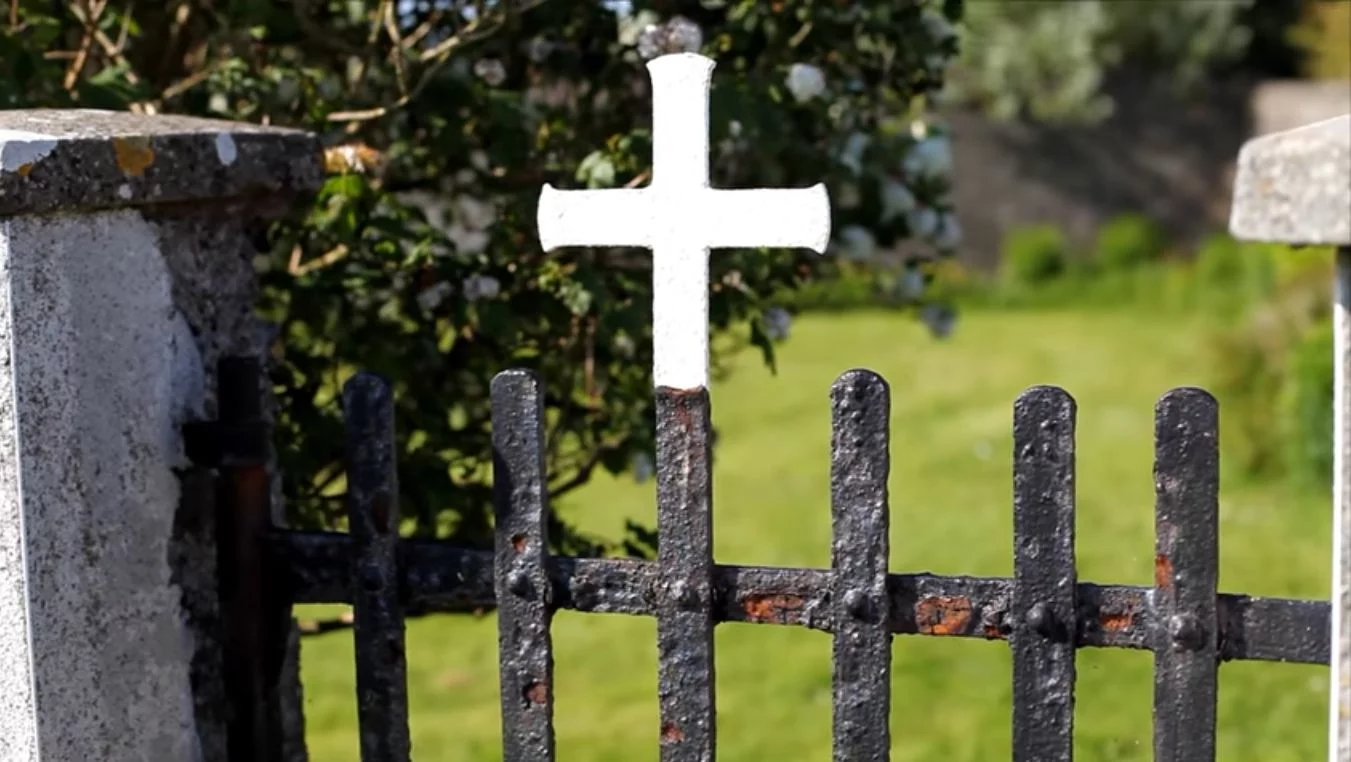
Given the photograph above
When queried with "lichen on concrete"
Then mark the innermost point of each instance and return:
(67, 160)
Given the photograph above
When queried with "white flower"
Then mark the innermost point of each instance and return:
(632, 27)
(678, 35)
(431, 298)
(919, 129)
(949, 235)
(475, 213)
(912, 284)
(857, 243)
(650, 42)
(491, 71)
(923, 222)
(805, 81)
(852, 154)
(777, 323)
(939, 318)
(478, 287)
(467, 241)
(538, 49)
(288, 88)
(683, 36)
(896, 200)
(642, 467)
(849, 196)
(930, 157)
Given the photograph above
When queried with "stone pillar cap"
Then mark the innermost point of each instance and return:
(84, 159)
(1295, 186)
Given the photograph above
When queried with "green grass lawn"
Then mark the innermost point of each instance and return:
(950, 513)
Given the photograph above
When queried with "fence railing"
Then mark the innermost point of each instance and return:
(1044, 611)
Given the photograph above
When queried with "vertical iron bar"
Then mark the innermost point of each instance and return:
(373, 511)
(860, 462)
(254, 613)
(520, 579)
(685, 668)
(1186, 575)
(1043, 607)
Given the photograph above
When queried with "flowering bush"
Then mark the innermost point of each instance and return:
(419, 258)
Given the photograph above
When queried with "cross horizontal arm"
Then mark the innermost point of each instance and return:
(767, 217)
(612, 217)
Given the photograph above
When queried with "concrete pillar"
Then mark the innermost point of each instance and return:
(126, 271)
(1294, 187)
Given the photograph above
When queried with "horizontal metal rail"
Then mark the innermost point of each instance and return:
(317, 569)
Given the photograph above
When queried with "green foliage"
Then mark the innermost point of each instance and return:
(1264, 370)
(1306, 406)
(1235, 274)
(1324, 36)
(1049, 60)
(1129, 241)
(1035, 255)
(419, 260)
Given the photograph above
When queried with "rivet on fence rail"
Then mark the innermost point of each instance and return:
(1043, 635)
(520, 563)
(1186, 575)
(373, 511)
(860, 439)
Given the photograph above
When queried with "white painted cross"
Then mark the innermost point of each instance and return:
(680, 218)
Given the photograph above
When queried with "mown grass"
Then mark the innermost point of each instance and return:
(950, 504)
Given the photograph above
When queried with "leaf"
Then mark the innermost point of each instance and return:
(760, 339)
(596, 170)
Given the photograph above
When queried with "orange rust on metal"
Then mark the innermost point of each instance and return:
(772, 608)
(1116, 621)
(1163, 572)
(537, 692)
(943, 615)
(518, 542)
(671, 733)
(133, 155)
(253, 478)
(683, 399)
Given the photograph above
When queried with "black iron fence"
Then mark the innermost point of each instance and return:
(1044, 611)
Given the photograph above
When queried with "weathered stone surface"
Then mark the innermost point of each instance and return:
(126, 251)
(81, 159)
(1295, 187)
(103, 371)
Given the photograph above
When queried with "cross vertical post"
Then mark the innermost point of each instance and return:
(680, 218)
